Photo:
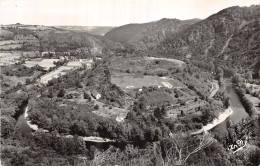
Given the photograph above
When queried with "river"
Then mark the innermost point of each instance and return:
(236, 111)
(25, 129)
(239, 111)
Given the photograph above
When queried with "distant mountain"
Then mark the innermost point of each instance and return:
(56, 40)
(124, 33)
(93, 30)
(231, 35)
(147, 35)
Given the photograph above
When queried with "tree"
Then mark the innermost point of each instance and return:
(27, 81)
(96, 107)
(87, 96)
(211, 67)
(183, 147)
(236, 79)
(19, 84)
(131, 115)
(160, 112)
(61, 93)
(248, 76)
(79, 84)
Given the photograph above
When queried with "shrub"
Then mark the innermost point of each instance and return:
(27, 81)
(61, 93)
(96, 107)
(69, 96)
(87, 96)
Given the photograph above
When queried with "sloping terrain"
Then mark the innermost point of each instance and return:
(93, 30)
(147, 35)
(68, 40)
(229, 29)
(124, 33)
(58, 38)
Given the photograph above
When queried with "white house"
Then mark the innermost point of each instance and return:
(95, 94)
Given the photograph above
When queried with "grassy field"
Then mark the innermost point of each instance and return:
(128, 81)
(112, 112)
(33, 62)
(11, 46)
(54, 74)
(6, 42)
(8, 58)
(74, 64)
(46, 63)
(164, 61)
(144, 64)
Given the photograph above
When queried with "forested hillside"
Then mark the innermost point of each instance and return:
(147, 35)
(221, 36)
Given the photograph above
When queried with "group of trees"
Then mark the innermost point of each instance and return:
(17, 70)
(205, 65)
(80, 121)
(249, 107)
(99, 78)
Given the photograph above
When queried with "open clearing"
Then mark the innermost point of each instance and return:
(131, 81)
(178, 62)
(45, 63)
(108, 111)
(6, 42)
(10, 46)
(7, 58)
(55, 74)
(33, 62)
(48, 63)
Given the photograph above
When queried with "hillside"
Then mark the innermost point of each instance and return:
(59, 39)
(68, 40)
(221, 36)
(124, 33)
(147, 35)
(93, 30)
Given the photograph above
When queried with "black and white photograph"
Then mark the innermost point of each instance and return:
(130, 82)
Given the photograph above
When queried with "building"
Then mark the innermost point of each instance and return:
(95, 94)
(46, 53)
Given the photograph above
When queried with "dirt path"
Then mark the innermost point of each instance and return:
(207, 49)
(214, 89)
(226, 45)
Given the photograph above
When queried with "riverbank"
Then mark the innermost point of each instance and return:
(221, 118)
(32, 126)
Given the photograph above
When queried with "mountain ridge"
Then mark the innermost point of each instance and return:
(147, 35)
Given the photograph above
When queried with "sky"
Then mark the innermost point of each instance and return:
(108, 12)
